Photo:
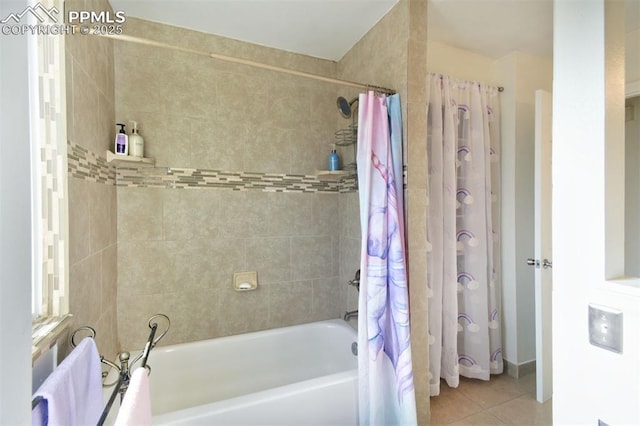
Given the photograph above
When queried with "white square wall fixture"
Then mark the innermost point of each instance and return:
(244, 281)
(605, 328)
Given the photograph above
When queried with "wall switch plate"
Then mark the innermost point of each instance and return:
(605, 328)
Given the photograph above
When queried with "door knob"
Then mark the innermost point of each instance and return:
(533, 262)
(546, 264)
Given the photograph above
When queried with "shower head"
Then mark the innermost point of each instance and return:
(344, 106)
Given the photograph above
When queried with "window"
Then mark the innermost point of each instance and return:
(49, 179)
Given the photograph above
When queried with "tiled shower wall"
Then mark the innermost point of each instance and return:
(92, 193)
(179, 247)
(178, 250)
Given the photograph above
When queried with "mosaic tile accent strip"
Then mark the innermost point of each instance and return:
(50, 205)
(84, 164)
(349, 184)
(87, 165)
(174, 177)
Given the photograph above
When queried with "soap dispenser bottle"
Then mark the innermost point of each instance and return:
(122, 141)
(334, 160)
(136, 143)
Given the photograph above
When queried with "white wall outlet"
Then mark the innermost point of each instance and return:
(243, 281)
(605, 328)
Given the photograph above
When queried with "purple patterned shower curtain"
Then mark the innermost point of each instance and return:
(386, 394)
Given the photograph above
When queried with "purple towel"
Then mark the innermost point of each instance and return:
(72, 394)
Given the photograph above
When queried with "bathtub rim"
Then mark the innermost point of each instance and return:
(336, 322)
(331, 323)
(243, 399)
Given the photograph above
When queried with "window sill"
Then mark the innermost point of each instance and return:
(46, 332)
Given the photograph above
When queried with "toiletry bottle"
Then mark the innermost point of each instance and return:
(136, 143)
(122, 141)
(334, 160)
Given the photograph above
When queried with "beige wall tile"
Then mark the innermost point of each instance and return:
(79, 220)
(106, 131)
(270, 257)
(312, 258)
(244, 214)
(85, 290)
(388, 66)
(143, 89)
(290, 303)
(140, 214)
(167, 140)
(417, 219)
(207, 263)
(417, 20)
(310, 148)
(145, 267)
(326, 218)
(100, 216)
(269, 150)
(243, 312)
(349, 258)
(193, 314)
(190, 213)
(324, 304)
(109, 279)
(107, 333)
(349, 209)
(293, 214)
(133, 315)
(219, 145)
(86, 114)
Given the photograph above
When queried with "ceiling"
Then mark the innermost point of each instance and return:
(329, 28)
(321, 28)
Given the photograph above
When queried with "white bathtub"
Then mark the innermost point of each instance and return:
(299, 375)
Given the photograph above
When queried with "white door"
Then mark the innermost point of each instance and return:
(542, 262)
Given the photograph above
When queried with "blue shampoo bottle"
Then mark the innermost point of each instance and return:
(334, 160)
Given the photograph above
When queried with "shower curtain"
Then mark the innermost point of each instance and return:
(386, 393)
(463, 125)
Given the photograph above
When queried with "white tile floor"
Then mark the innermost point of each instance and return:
(501, 401)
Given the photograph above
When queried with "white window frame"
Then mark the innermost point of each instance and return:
(47, 92)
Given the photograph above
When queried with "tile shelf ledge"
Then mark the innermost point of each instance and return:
(331, 175)
(129, 160)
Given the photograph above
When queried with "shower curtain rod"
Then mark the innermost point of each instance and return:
(248, 62)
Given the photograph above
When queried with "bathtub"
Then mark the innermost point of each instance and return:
(300, 375)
